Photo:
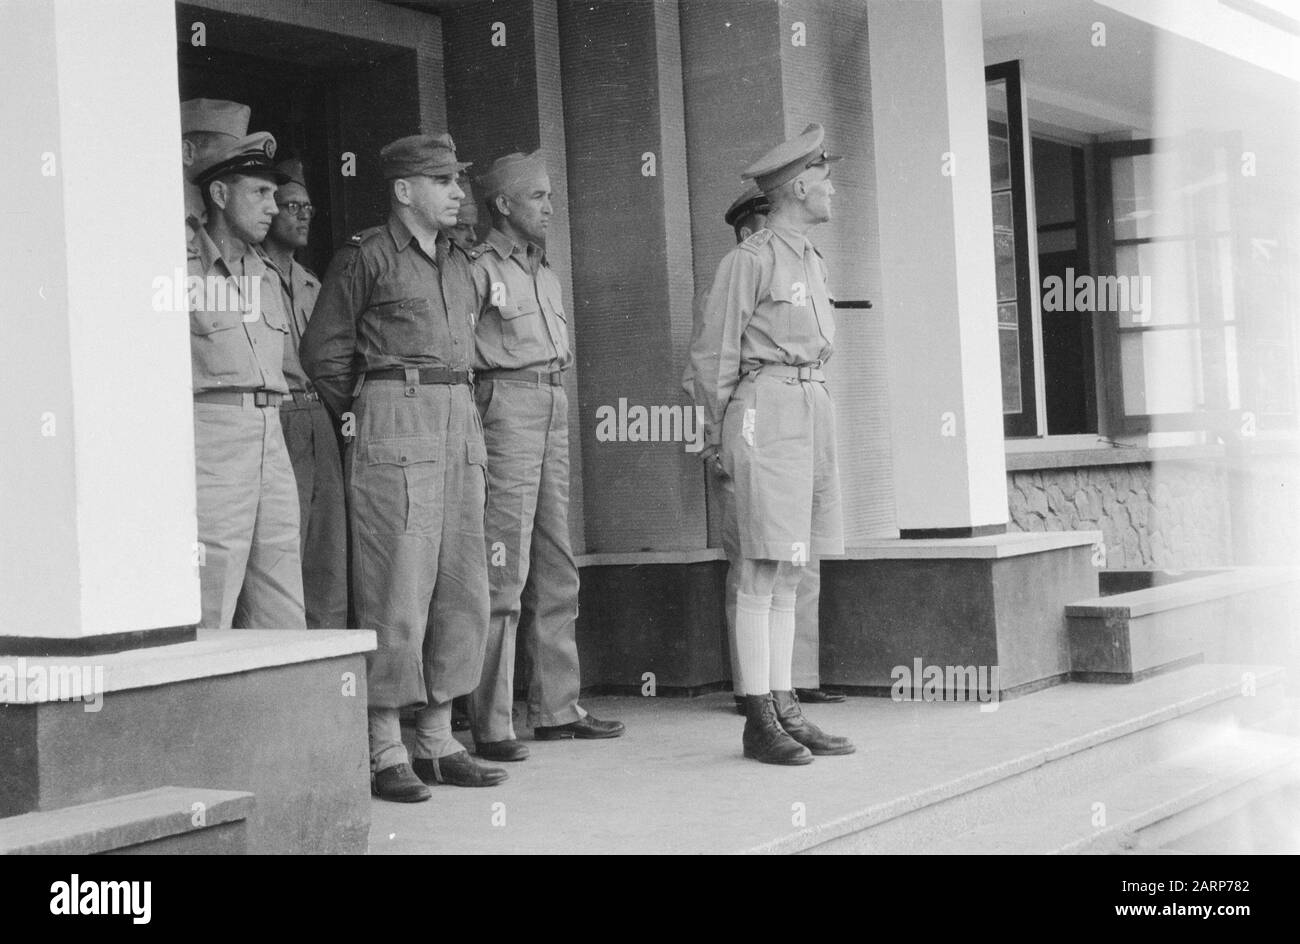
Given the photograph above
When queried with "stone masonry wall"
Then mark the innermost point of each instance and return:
(1173, 517)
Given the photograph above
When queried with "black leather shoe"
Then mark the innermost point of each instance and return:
(584, 729)
(511, 750)
(804, 731)
(459, 770)
(815, 696)
(765, 740)
(399, 784)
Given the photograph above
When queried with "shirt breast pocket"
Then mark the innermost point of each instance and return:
(521, 325)
(555, 311)
(406, 327)
(219, 345)
(794, 317)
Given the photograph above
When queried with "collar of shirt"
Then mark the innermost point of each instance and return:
(403, 237)
(505, 247)
(799, 243)
(209, 255)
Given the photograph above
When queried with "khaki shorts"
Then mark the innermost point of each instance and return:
(778, 445)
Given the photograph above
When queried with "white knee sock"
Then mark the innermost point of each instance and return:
(752, 645)
(782, 646)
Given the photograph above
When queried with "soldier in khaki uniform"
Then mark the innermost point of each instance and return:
(308, 429)
(390, 347)
(249, 573)
(207, 126)
(523, 349)
(746, 216)
(768, 328)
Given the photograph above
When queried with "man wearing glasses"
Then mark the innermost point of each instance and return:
(308, 431)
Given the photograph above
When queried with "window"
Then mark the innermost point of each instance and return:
(1015, 311)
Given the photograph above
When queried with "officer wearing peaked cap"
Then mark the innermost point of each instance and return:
(391, 343)
(523, 348)
(247, 502)
(207, 124)
(308, 428)
(768, 329)
(746, 215)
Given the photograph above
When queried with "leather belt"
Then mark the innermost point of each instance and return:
(428, 375)
(793, 372)
(299, 400)
(245, 398)
(543, 378)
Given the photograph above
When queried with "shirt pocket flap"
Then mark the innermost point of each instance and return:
(210, 322)
(516, 309)
(404, 450)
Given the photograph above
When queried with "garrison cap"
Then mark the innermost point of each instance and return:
(751, 201)
(292, 170)
(251, 156)
(506, 171)
(789, 159)
(468, 212)
(214, 115)
(420, 155)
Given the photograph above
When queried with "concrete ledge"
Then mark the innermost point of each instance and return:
(136, 819)
(1247, 613)
(990, 547)
(214, 653)
(1183, 592)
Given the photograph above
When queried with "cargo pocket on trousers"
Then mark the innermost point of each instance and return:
(403, 483)
(474, 500)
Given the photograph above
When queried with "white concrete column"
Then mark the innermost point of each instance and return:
(97, 475)
(936, 254)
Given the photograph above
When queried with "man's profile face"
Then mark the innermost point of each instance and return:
(248, 206)
(817, 200)
(435, 201)
(290, 229)
(530, 207)
(462, 234)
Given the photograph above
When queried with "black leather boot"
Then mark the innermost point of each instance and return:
(764, 738)
(791, 718)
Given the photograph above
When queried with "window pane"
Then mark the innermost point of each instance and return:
(1160, 275)
(999, 147)
(1162, 371)
(1148, 191)
(1008, 315)
(1004, 246)
(1009, 340)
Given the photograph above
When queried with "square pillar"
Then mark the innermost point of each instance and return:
(936, 250)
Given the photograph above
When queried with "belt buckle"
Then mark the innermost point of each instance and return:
(261, 398)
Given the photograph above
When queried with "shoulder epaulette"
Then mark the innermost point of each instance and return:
(310, 274)
(356, 239)
(757, 240)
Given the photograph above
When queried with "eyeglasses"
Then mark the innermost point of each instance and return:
(294, 208)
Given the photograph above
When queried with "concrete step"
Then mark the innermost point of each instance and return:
(1171, 716)
(1150, 806)
(165, 820)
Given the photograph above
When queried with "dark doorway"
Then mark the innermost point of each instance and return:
(1068, 359)
(322, 95)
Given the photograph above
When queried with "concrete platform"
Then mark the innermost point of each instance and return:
(924, 772)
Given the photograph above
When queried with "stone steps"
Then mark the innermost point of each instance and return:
(164, 820)
(1053, 788)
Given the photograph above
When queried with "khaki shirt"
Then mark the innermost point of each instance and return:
(523, 326)
(237, 332)
(299, 289)
(769, 305)
(386, 302)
